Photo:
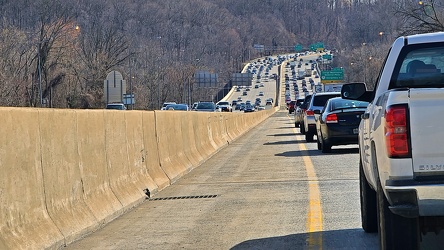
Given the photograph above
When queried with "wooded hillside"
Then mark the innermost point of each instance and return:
(68, 47)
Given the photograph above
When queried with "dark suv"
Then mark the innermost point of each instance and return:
(317, 102)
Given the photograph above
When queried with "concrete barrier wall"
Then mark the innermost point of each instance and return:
(117, 160)
(62, 179)
(217, 130)
(200, 139)
(151, 153)
(204, 140)
(189, 140)
(169, 139)
(135, 142)
(24, 220)
(66, 173)
(97, 192)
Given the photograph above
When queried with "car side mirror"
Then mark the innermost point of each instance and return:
(356, 91)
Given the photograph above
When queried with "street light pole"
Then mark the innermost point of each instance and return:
(40, 74)
(365, 62)
(158, 72)
(131, 84)
(158, 86)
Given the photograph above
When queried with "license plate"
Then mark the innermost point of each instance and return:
(355, 131)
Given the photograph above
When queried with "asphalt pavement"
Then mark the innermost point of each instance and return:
(266, 190)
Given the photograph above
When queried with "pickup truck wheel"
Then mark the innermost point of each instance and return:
(369, 216)
(325, 146)
(394, 231)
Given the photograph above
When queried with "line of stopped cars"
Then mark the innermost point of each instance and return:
(248, 105)
(333, 120)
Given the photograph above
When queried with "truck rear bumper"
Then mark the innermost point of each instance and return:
(413, 201)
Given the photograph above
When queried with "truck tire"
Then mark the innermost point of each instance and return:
(394, 231)
(369, 214)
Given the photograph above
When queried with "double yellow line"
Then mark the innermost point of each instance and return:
(314, 216)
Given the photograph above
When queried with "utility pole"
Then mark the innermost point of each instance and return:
(40, 73)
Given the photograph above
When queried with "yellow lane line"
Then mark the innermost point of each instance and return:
(314, 216)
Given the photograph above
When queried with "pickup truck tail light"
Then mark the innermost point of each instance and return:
(396, 131)
(331, 118)
(309, 112)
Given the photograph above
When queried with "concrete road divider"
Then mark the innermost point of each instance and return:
(169, 141)
(198, 124)
(97, 193)
(204, 141)
(231, 126)
(24, 220)
(217, 129)
(117, 159)
(189, 139)
(63, 183)
(136, 151)
(150, 153)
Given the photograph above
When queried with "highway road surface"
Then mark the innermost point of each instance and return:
(266, 190)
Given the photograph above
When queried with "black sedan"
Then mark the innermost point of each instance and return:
(338, 123)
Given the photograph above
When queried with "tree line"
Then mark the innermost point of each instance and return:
(57, 53)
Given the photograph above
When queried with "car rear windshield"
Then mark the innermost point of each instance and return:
(337, 104)
(420, 66)
(204, 105)
(321, 100)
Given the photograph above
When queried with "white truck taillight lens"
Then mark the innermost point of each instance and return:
(396, 132)
(309, 112)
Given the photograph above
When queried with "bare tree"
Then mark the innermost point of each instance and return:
(103, 47)
(17, 83)
(158, 45)
(421, 16)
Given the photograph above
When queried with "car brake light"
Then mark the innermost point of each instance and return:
(331, 118)
(396, 132)
(309, 112)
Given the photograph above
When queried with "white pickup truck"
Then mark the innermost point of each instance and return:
(401, 143)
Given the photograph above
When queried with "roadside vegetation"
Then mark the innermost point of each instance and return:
(59, 52)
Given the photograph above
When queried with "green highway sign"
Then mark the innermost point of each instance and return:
(298, 48)
(332, 75)
(326, 56)
(317, 46)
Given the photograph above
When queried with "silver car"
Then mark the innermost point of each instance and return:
(299, 114)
